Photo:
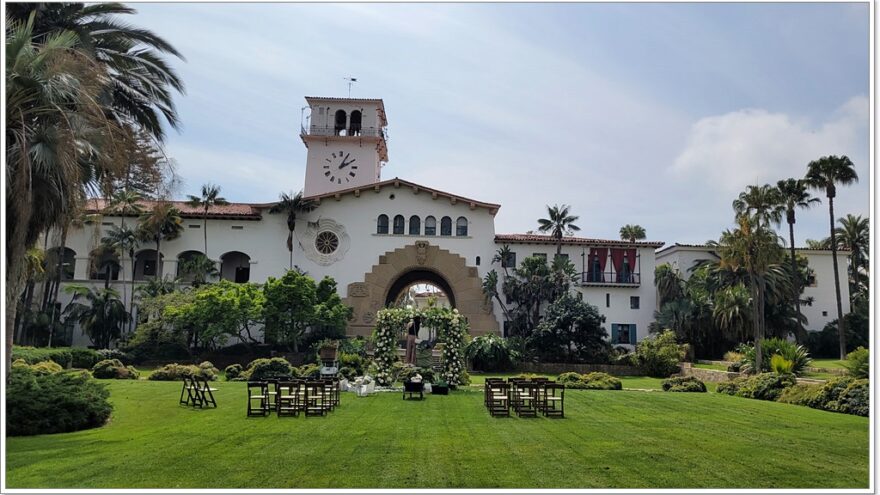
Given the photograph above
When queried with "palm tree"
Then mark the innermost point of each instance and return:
(854, 234)
(670, 285)
(199, 268)
(122, 240)
(632, 233)
(558, 224)
(793, 194)
(102, 318)
(501, 256)
(163, 222)
(731, 310)
(124, 203)
(292, 204)
(209, 199)
(762, 202)
(821, 244)
(827, 173)
(140, 83)
(755, 250)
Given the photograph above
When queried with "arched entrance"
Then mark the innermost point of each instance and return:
(420, 262)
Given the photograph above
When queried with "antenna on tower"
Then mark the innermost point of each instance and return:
(351, 80)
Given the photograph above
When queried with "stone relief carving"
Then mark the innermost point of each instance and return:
(358, 289)
(421, 252)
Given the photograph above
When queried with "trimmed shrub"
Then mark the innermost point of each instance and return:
(353, 361)
(46, 368)
(263, 368)
(174, 371)
(801, 394)
(590, 381)
(660, 355)
(683, 384)
(765, 386)
(67, 357)
(233, 371)
(308, 371)
(123, 357)
(490, 353)
(113, 368)
(54, 403)
(780, 365)
(858, 363)
(82, 357)
(855, 399)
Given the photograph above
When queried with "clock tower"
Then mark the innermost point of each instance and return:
(346, 141)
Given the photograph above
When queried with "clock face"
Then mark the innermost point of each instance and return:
(339, 167)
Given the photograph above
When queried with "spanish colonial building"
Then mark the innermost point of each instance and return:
(377, 237)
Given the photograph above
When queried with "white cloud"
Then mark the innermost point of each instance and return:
(751, 146)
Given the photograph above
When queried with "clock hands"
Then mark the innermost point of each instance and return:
(346, 163)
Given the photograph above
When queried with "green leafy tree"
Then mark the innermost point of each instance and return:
(198, 270)
(558, 223)
(292, 205)
(121, 240)
(227, 309)
(632, 233)
(209, 199)
(331, 315)
(289, 308)
(100, 313)
(793, 195)
(826, 174)
(572, 331)
(531, 285)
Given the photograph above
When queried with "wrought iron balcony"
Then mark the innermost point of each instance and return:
(611, 278)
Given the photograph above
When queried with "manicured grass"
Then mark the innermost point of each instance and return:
(827, 363)
(707, 366)
(608, 439)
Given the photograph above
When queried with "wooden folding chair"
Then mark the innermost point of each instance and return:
(487, 388)
(525, 405)
(553, 400)
(287, 400)
(328, 401)
(188, 390)
(499, 399)
(314, 399)
(203, 392)
(258, 391)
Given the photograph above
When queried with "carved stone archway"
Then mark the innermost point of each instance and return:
(369, 296)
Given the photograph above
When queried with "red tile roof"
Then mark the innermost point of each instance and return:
(704, 246)
(398, 182)
(244, 211)
(579, 241)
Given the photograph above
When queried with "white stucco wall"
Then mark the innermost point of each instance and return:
(824, 307)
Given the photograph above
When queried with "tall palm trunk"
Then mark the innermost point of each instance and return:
(795, 280)
(840, 322)
(290, 245)
(54, 299)
(205, 229)
(756, 322)
(159, 274)
(16, 246)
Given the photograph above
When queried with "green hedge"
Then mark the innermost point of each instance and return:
(54, 403)
(590, 381)
(174, 372)
(113, 368)
(845, 394)
(683, 384)
(764, 386)
(67, 357)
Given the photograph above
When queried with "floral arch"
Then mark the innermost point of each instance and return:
(451, 327)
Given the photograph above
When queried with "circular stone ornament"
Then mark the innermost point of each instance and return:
(326, 241)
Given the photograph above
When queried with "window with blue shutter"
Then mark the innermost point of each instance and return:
(632, 334)
(614, 333)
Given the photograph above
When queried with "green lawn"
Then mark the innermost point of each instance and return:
(708, 366)
(828, 363)
(608, 439)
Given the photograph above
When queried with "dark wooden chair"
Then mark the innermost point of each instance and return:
(314, 399)
(203, 392)
(498, 400)
(187, 393)
(412, 388)
(288, 399)
(259, 392)
(553, 400)
(525, 403)
(487, 388)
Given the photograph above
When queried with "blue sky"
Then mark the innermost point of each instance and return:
(656, 114)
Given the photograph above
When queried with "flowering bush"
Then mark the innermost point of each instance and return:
(452, 329)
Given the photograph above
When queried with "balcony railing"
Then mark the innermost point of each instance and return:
(610, 278)
(350, 131)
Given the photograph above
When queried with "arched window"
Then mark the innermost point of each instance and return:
(430, 226)
(145, 264)
(67, 259)
(399, 224)
(445, 226)
(104, 265)
(415, 225)
(461, 226)
(354, 128)
(382, 224)
(235, 266)
(185, 267)
(339, 122)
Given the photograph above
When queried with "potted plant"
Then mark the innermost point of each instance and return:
(440, 388)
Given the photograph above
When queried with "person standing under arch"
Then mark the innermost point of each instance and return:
(412, 330)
